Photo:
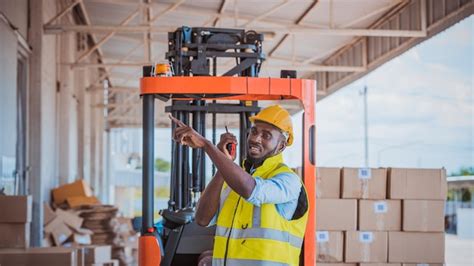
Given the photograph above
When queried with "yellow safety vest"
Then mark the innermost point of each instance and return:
(251, 235)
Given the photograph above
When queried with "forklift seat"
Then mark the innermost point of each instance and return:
(177, 218)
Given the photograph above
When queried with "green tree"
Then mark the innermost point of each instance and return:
(162, 165)
(463, 171)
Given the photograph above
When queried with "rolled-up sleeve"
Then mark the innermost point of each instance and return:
(281, 188)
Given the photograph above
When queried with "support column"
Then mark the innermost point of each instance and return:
(36, 182)
(67, 140)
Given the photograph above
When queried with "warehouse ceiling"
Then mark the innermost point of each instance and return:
(332, 41)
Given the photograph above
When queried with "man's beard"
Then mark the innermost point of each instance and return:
(255, 162)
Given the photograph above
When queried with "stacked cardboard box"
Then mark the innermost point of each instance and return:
(423, 194)
(15, 219)
(109, 229)
(334, 216)
(379, 216)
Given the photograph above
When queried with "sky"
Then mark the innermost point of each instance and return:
(420, 109)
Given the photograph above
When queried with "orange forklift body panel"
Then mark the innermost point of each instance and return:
(148, 251)
(254, 89)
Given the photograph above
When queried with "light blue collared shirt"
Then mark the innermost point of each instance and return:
(282, 190)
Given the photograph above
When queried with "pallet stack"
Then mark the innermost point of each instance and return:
(380, 216)
(111, 230)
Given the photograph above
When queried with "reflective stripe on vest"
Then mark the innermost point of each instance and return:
(240, 262)
(260, 233)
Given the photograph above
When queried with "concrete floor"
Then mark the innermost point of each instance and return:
(459, 251)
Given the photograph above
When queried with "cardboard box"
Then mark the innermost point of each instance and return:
(48, 213)
(39, 256)
(330, 246)
(71, 219)
(336, 264)
(380, 264)
(413, 247)
(97, 254)
(336, 214)
(423, 215)
(417, 184)
(47, 241)
(14, 235)
(423, 264)
(380, 215)
(108, 263)
(364, 183)
(15, 209)
(48, 229)
(366, 246)
(77, 188)
(78, 201)
(60, 233)
(328, 182)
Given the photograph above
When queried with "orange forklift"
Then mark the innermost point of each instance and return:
(192, 84)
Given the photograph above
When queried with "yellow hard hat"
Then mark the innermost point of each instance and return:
(277, 116)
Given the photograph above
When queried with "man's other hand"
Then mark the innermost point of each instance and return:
(227, 138)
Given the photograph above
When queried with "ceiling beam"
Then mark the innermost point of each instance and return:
(267, 13)
(204, 12)
(297, 22)
(87, 19)
(221, 10)
(296, 66)
(107, 37)
(166, 11)
(63, 12)
(56, 29)
(116, 89)
(109, 105)
(370, 15)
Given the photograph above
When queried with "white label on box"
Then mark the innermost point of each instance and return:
(365, 173)
(380, 207)
(366, 237)
(322, 236)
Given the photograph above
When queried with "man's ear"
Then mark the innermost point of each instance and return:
(282, 145)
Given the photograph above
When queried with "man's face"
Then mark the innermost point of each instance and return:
(264, 140)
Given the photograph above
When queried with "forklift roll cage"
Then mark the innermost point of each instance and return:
(190, 53)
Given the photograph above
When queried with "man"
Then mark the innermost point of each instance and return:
(262, 207)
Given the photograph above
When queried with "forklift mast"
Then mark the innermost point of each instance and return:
(192, 52)
(197, 88)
